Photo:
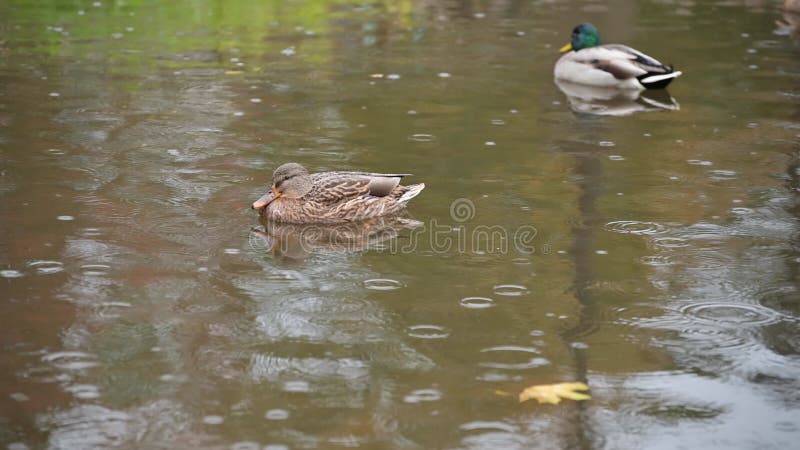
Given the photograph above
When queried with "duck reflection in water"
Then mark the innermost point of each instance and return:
(789, 23)
(297, 241)
(610, 101)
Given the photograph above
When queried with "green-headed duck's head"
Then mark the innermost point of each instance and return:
(584, 35)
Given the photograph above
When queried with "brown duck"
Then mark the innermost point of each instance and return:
(333, 197)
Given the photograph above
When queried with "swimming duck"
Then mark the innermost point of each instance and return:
(588, 62)
(333, 197)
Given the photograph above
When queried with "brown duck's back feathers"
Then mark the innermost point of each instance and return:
(337, 197)
(335, 187)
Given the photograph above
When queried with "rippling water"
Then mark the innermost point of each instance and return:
(645, 245)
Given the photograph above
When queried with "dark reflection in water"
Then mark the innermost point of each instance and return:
(652, 255)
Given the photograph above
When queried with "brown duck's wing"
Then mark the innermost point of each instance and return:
(336, 187)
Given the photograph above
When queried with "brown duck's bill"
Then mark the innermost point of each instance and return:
(266, 199)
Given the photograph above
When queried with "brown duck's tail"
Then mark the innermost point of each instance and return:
(411, 192)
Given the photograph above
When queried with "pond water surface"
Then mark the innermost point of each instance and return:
(654, 255)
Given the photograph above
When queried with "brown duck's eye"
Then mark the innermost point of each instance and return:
(283, 180)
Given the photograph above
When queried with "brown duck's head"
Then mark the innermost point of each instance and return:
(290, 180)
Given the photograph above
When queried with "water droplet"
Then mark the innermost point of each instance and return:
(489, 143)
(296, 386)
(83, 391)
(488, 427)
(65, 218)
(89, 232)
(514, 352)
(421, 137)
(427, 332)
(382, 284)
(723, 175)
(95, 269)
(601, 252)
(477, 302)
(393, 76)
(255, 100)
(276, 414)
(699, 162)
(511, 290)
(10, 273)
(232, 251)
(616, 157)
(635, 227)
(670, 242)
(70, 360)
(238, 113)
(498, 122)
(46, 267)
(656, 260)
(606, 144)
(213, 420)
(731, 313)
(742, 211)
(443, 75)
(288, 51)
(54, 94)
(423, 395)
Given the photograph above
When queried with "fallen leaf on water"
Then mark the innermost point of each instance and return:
(553, 393)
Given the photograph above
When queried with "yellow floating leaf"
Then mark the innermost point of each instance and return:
(553, 393)
(503, 393)
(376, 75)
